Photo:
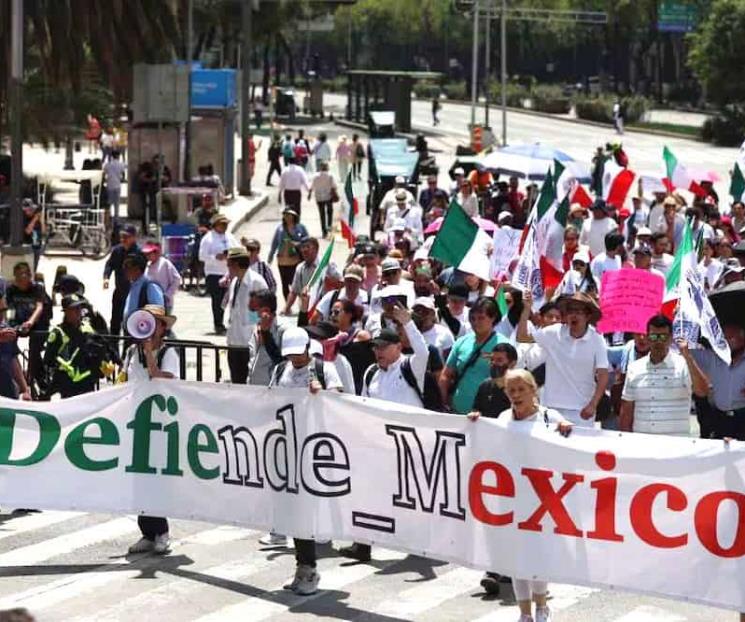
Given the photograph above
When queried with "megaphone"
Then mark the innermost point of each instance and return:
(141, 325)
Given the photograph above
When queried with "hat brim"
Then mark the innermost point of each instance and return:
(353, 277)
(290, 350)
(75, 305)
(168, 320)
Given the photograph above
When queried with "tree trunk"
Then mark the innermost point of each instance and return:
(265, 80)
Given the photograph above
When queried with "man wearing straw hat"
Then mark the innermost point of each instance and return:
(146, 360)
(213, 251)
(576, 357)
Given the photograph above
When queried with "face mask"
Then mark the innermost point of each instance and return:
(253, 317)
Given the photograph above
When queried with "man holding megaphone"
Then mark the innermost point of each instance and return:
(146, 359)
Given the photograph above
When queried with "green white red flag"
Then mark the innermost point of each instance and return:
(316, 282)
(677, 175)
(349, 212)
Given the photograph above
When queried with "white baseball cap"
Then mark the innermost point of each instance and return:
(295, 341)
(425, 301)
(582, 256)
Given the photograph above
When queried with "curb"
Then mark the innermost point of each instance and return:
(548, 115)
(250, 212)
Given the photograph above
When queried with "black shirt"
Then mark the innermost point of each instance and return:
(115, 264)
(23, 303)
(491, 400)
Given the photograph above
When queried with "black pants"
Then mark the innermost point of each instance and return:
(117, 310)
(238, 359)
(152, 526)
(274, 167)
(286, 274)
(305, 552)
(730, 426)
(293, 199)
(326, 214)
(216, 295)
(148, 201)
(36, 343)
(357, 169)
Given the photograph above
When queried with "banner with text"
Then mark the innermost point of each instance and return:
(645, 513)
(628, 298)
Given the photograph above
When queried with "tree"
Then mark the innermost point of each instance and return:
(717, 50)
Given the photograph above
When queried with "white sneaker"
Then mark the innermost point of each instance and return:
(542, 614)
(143, 545)
(308, 583)
(273, 539)
(292, 585)
(162, 544)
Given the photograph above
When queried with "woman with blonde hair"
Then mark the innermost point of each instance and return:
(522, 391)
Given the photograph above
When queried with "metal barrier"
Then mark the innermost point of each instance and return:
(198, 360)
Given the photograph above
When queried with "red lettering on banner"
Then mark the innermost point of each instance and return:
(705, 519)
(551, 502)
(505, 487)
(605, 501)
(641, 515)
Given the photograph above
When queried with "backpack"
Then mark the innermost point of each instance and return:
(316, 371)
(287, 150)
(431, 397)
(359, 151)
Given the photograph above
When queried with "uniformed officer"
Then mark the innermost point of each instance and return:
(72, 357)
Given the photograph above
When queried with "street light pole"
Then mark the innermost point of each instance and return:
(245, 177)
(16, 110)
(503, 62)
(487, 65)
(475, 61)
(189, 56)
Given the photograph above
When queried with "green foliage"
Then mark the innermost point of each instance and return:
(727, 128)
(717, 50)
(600, 109)
(455, 90)
(550, 98)
(427, 90)
(516, 93)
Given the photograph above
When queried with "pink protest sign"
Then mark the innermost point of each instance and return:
(628, 298)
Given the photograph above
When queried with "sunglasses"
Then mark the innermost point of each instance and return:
(658, 337)
(335, 312)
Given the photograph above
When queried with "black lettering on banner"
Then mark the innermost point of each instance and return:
(440, 479)
(324, 453)
(374, 522)
(280, 453)
(242, 467)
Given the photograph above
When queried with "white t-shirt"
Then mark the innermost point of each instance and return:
(294, 378)
(114, 170)
(663, 263)
(602, 263)
(440, 337)
(137, 372)
(570, 365)
(543, 416)
(593, 234)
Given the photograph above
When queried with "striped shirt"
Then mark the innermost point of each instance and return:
(661, 394)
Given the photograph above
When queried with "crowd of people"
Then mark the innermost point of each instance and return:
(394, 323)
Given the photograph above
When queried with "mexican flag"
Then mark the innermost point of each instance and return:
(677, 176)
(460, 242)
(315, 285)
(686, 300)
(737, 184)
(550, 229)
(349, 212)
(579, 195)
(527, 274)
(616, 184)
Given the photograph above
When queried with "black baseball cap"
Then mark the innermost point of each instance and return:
(70, 284)
(458, 291)
(386, 337)
(73, 301)
(322, 330)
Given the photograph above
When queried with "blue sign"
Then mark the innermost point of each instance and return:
(213, 88)
(676, 16)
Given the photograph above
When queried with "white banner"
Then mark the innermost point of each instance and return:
(651, 514)
(506, 243)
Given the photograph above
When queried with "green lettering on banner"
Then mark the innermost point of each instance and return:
(49, 433)
(194, 447)
(142, 425)
(77, 439)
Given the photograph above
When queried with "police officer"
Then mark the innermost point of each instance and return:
(72, 357)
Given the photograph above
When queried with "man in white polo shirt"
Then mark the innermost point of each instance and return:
(656, 395)
(576, 357)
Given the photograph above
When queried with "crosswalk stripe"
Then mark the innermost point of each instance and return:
(30, 522)
(560, 597)
(256, 609)
(650, 614)
(417, 599)
(68, 588)
(169, 592)
(42, 551)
